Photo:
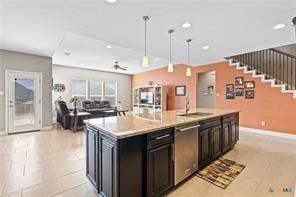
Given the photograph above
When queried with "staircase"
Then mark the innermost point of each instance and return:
(271, 65)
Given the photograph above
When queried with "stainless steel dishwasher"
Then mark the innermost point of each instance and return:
(186, 151)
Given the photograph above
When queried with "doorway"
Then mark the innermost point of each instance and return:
(23, 101)
(206, 90)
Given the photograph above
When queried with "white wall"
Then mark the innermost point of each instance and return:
(10, 60)
(65, 74)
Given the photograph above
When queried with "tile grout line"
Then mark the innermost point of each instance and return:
(53, 178)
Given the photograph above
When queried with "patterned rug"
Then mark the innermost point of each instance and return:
(221, 172)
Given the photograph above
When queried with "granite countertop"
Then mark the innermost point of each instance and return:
(136, 124)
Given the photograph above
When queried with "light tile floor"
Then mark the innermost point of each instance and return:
(52, 163)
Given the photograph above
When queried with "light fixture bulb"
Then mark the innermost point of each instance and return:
(186, 25)
(188, 72)
(111, 1)
(145, 63)
(170, 68)
(279, 26)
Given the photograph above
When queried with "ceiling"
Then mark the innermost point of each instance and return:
(85, 27)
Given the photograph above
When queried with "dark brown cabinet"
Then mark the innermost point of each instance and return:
(92, 157)
(210, 133)
(216, 141)
(160, 164)
(107, 166)
(216, 136)
(230, 134)
(204, 146)
(226, 143)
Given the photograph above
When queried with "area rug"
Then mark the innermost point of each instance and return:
(221, 172)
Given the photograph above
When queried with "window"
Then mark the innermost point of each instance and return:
(111, 92)
(79, 88)
(95, 89)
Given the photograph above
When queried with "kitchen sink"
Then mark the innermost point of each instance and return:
(194, 114)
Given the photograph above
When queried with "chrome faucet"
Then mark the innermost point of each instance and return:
(187, 105)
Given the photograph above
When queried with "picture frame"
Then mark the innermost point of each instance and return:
(230, 95)
(239, 81)
(229, 87)
(180, 91)
(249, 84)
(239, 91)
(249, 94)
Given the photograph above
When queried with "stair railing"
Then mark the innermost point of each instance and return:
(274, 64)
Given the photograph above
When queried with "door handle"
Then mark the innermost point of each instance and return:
(188, 128)
(164, 136)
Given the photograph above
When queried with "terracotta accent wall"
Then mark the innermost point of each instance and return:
(278, 110)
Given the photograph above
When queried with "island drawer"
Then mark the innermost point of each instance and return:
(160, 137)
(230, 117)
(210, 122)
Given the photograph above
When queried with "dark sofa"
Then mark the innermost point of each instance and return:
(98, 108)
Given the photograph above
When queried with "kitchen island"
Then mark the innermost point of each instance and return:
(148, 154)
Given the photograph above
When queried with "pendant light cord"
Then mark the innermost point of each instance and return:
(188, 55)
(170, 47)
(145, 36)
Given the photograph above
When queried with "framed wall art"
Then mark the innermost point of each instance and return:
(239, 91)
(239, 81)
(249, 94)
(180, 91)
(229, 87)
(249, 84)
(230, 95)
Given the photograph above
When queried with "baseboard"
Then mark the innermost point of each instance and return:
(3, 133)
(46, 128)
(269, 133)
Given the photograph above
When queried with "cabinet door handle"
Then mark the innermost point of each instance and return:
(163, 136)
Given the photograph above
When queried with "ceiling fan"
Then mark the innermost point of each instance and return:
(117, 66)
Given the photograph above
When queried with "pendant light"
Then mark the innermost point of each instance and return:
(171, 65)
(145, 63)
(188, 69)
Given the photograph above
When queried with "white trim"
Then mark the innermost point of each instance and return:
(46, 128)
(3, 133)
(268, 132)
(262, 76)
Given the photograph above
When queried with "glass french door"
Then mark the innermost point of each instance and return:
(23, 101)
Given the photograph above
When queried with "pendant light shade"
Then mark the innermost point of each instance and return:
(145, 63)
(170, 68)
(188, 70)
(171, 65)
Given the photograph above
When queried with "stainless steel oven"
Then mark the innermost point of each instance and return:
(186, 151)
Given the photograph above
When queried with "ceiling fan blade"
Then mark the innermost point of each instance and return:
(122, 68)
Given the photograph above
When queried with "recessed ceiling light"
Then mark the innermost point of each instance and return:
(279, 26)
(156, 59)
(67, 53)
(205, 47)
(111, 1)
(186, 25)
(109, 47)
